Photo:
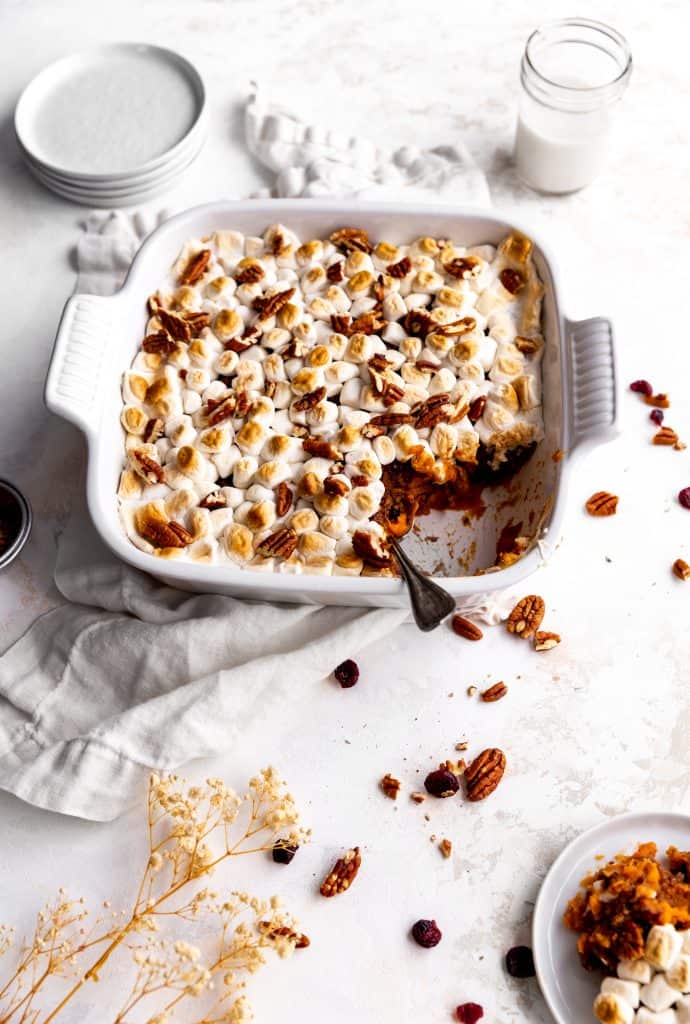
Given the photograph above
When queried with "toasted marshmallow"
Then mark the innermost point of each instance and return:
(658, 994)
(627, 990)
(304, 520)
(239, 543)
(243, 470)
(331, 504)
(384, 449)
(130, 486)
(662, 947)
(634, 970)
(314, 545)
(192, 463)
(179, 503)
(215, 439)
(405, 439)
(274, 472)
(682, 1012)
(611, 1009)
(363, 502)
(251, 437)
(318, 566)
(348, 564)
(134, 419)
(678, 974)
(336, 526)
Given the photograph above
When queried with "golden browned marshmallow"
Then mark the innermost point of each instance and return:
(215, 439)
(319, 356)
(130, 485)
(251, 437)
(261, 515)
(228, 324)
(331, 504)
(191, 462)
(134, 419)
(304, 520)
(315, 545)
(179, 503)
(360, 283)
(239, 543)
(348, 564)
(289, 316)
(307, 380)
(505, 395)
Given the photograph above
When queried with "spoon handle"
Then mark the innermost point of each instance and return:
(431, 604)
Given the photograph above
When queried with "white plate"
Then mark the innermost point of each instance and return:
(110, 112)
(568, 989)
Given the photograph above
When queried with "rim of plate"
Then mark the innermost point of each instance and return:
(40, 81)
(545, 910)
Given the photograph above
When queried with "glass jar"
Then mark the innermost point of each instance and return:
(572, 73)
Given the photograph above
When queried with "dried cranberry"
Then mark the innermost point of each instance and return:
(642, 387)
(520, 962)
(442, 782)
(426, 933)
(684, 497)
(469, 1013)
(347, 673)
(284, 854)
(657, 416)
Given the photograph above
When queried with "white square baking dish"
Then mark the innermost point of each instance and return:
(99, 336)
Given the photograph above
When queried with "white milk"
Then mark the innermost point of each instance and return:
(560, 152)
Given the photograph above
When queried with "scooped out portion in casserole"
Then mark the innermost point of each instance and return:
(293, 402)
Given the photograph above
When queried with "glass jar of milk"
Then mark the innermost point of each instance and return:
(572, 73)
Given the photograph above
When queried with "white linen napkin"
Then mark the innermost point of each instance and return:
(130, 675)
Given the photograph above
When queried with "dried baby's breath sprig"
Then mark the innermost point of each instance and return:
(192, 830)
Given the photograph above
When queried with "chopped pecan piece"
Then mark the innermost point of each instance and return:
(418, 797)
(418, 323)
(666, 436)
(526, 617)
(270, 388)
(391, 393)
(681, 569)
(250, 274)
(236, 345)
(213, 501)
(370, 549)
(341, 324)
(456, 327)
(602, 504)
(176, 326)
(280, 544)
(334, 272)
(350, 239)
(484, 774)
(462, 267)
(545, 641)
(342, 874)
(494, 693)
(196, 268)
(659, 401)
(446, 847)
(283, 499)
(378, 363)
(390, 787)
(512, 280)
(463, 627)
(337, 486)
(243, 403)
(370, 431)
(159, 344)
(401, 268)
(368, 323)
(283, 932)
(184, 536)
(221, 410)
(197, 321)
(391, 419)
(359, 480)
(476, 408)
(322, 449)
(153, 430)
(436, 409)
(147, 468)
(268, 305)
(310, 400)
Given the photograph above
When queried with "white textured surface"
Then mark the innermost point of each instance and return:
(611, 732)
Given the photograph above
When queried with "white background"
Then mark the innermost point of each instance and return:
(595, 727)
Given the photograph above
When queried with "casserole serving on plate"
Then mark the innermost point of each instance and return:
(99, 337)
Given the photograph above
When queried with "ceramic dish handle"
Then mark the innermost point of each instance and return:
(76, 368)
(594, 405)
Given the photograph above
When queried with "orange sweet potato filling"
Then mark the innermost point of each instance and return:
(621, 901)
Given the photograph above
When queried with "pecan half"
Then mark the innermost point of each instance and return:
(159, 533)
(250, 274)
(147, 468)
(334, 272)
(213, 500)
(184, 536)
(462, 267)
(434, 410)
(666, 436)
(463, 627)
(342, 874)
(268, 305)
(401, 268)
(159, 344)
(223, 410)
(310, 400)
(153, 430)
(369, 430)
(197, 321)
(512, 280)
(494, 693)
(280, 544)
(456, 327)
(418, 323)
(341, 323)
(370, 549)
(322, 449)
(476, 408)
(236, 345)
(602, 504)
(176, 326)
(283, 499)
(446, 847)
(484, 774)
(390, 787)
(337, 486)
(350, 239)
(681, 569)
(660, 401)
(196, 268)
(545, 641)
(525, 618)
(391, 393)
(391, 419)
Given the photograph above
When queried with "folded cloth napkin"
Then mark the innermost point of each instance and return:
(130, 675)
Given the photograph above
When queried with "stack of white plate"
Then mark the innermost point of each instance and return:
(112, 126)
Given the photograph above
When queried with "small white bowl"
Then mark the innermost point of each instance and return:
(569, 990)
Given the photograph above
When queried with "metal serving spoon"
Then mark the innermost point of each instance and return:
(431, 604)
